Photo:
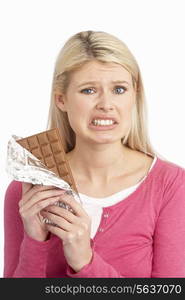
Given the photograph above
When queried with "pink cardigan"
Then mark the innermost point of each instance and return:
(143, 235)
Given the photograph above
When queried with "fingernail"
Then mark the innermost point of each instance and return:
(44, 220)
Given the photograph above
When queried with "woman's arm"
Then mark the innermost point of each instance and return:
(23, 256)
(169, 236)
(97, 268)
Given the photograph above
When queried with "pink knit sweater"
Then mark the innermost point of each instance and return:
(144, 235)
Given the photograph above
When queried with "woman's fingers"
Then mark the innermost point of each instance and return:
(76, 207)
(61, 212)
(60, 222)
(41, 195)
(38, 207)
(36, 188)
(28, 191)
(26, 187)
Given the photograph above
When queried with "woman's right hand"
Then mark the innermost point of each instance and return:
(34, 199)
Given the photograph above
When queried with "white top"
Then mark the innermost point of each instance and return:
(94, 206)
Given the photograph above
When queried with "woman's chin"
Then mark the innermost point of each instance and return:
(104, 140)
(100, 138)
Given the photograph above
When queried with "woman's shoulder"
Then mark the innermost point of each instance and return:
(169, 171)
(161, 167)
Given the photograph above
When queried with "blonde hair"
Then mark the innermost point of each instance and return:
(86, 46)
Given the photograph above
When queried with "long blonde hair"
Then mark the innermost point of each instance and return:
(86, 46)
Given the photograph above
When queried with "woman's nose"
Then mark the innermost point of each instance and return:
(105, 103)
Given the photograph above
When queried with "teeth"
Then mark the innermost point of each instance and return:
(103, 122)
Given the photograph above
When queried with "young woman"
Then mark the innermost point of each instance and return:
(131, 222)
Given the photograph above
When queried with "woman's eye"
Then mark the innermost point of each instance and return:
(120, 90)
(87, 91)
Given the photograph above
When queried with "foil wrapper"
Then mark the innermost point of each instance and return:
(23, 166)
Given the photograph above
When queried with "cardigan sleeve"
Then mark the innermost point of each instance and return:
(23, 256)
(169, 235)
(98, 268)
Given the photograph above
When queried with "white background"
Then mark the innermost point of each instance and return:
(32, 33)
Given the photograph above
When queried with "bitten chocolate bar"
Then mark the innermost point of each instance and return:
(48, 147)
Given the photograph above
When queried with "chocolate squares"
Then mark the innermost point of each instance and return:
(47, 146)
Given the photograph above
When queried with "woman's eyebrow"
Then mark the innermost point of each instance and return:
(95, 82)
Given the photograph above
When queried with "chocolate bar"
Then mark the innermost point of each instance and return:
(48, 147)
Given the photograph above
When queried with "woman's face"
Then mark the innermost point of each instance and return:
(99, 101)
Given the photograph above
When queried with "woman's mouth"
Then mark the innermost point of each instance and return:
(103, 124)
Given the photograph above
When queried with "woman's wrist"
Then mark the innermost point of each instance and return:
(77, 268)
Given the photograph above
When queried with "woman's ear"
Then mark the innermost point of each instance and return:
(60, 101)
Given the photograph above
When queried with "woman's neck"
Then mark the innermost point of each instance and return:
(99, 162)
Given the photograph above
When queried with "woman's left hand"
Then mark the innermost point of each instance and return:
(73, 228)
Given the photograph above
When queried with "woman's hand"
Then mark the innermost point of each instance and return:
(34, 199)
(73, 228)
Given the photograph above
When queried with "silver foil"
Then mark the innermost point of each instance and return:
(23, 166)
